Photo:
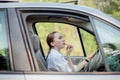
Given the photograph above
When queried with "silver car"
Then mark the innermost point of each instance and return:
(23, 49)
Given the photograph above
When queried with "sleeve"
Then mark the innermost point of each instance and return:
(75, 68)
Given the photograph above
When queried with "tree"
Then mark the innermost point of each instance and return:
(110, 7)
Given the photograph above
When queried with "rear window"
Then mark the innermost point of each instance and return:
(4, 60)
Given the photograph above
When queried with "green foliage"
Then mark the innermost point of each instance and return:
(43, 0)
(110, 7)
(2, 52)
(89, 3)
(89, 42)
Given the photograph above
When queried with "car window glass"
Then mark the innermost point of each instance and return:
(89, 42)
(4, 59)
(110, 40)
(90, 46)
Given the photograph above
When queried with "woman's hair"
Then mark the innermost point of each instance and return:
(50, 39)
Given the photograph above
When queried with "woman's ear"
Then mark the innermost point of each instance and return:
(52, 44)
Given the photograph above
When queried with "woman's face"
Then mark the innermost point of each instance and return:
(58, 41)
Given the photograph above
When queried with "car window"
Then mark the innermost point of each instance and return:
(71, 36)
(86, 42)
(90, 46)
(4, 57)
(110, 40)
(76, 31)
(89, 42)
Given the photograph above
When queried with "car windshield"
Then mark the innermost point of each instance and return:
(109, 37)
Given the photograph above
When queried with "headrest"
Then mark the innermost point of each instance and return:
(35, 41)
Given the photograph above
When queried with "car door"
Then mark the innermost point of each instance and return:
(76, 33)
(38, 22)
(7, 70)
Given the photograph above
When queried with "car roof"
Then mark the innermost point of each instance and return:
(85, 9)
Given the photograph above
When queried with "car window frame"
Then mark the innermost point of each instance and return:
(28, 10)
(8, 39)
(16, 37)
(24, 14)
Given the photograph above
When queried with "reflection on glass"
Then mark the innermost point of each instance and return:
(4, 59)
(90, 46)
(89, 42)
(110, 39)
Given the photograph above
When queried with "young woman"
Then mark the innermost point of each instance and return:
(56, 60)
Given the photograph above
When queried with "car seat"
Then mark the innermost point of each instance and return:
(38, 54)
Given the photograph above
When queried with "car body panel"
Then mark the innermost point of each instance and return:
(17, 43)
(84, 9)
(11, 76)
(70, 76)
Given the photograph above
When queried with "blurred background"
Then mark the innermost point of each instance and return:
(110, 7)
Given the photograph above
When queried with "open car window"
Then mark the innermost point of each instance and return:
(84, 43)
(71, 36)
(77, 30)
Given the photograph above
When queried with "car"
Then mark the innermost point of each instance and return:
(23, 48)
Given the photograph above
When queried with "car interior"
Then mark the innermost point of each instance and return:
(36, 46)
(94, 65)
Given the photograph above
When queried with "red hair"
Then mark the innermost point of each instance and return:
(50, 39)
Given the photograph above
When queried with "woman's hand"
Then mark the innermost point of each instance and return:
(91, 56)
(69, 48)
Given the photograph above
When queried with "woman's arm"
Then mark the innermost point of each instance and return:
(82, 64)
(69, 49)
(70, 63)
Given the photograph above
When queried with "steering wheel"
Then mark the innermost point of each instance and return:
(94, 64)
